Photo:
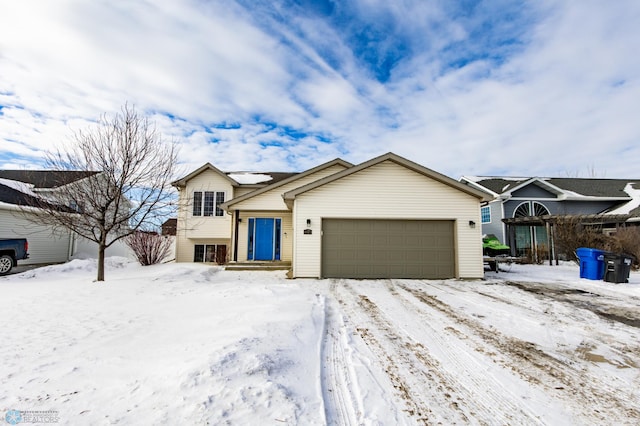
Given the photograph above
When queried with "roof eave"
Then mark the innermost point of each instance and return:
(181, 183)
(337, 161)
(480, 194)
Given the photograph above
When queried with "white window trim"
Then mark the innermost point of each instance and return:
(202, 203)
(481, 216)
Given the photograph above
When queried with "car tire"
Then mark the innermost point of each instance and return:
(6, 264)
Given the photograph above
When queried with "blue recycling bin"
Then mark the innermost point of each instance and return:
(591, 263)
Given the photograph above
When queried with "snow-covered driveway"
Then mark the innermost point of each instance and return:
(192, 344)
(494, 352)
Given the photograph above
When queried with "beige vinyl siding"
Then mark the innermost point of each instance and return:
(271, 204)
(387, 191)
(44, 245)
(272, 200)
(287, 233)
(242, 191)
(212, 228)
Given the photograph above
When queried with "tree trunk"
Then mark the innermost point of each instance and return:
(101, 249)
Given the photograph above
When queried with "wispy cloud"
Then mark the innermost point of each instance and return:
(472, 87)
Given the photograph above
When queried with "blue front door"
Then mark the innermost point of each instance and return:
(264, 239)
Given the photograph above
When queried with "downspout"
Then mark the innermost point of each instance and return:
(505, 227)
(235, 236)
(71, 248)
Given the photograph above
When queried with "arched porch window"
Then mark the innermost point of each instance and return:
(530, 239)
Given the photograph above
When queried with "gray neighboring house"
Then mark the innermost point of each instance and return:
(522, 206)
(23, 188)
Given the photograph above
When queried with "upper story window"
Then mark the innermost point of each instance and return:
(485, 214)
(207, 203)
(530, 208)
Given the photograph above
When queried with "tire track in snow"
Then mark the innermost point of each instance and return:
(477, 396)
(355, 390)
(601, 305)
(532, 364)
(628, 351)
(339, 387)
(494, 403)
(416, 381)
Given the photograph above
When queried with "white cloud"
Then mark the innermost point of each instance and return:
(561, 98)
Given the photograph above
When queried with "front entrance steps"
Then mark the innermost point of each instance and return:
(258, 266)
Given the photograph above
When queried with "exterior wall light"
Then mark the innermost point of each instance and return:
(472, 224)
(308, 222)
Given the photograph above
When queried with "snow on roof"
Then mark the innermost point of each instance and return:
(509, 178)
(248, 178)
(25, 188)
(633, 204)
(572, 194)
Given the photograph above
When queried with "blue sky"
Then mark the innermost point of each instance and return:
(540, 88)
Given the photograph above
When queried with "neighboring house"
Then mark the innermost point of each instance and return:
(523, 207)
(21, 190)
(169, 227)
(385, 218)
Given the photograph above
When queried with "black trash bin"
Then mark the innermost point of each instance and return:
(617, 268)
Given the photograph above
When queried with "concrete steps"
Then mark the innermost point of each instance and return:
(258, 266)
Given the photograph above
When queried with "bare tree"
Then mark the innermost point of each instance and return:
(591, 172)
(149, 247)
(130, 188)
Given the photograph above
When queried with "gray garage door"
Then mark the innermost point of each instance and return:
(369, 248)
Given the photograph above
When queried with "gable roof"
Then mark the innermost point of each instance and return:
(18, 199)
(482, 195)
(20, 187)
(207, 166)
(45, 179)
(245, 179)
(290, 179)
(13, 196)
(540, 183)
(610, 188)
(568, 188)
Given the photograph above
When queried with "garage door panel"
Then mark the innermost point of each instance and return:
(413, 257)
(395, 239)
(364, 239)
(380, 240)
(369, 248)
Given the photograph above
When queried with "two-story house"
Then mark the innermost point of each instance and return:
(386, 217)
(21, 194)
(523, 206)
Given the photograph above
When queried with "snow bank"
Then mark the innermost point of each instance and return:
(174, 343)
(194, 344)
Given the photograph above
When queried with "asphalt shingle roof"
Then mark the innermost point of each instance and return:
(13, 196)
(595, 187)
(45, 178)
(589, 187)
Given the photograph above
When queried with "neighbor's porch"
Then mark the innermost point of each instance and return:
(533, 237)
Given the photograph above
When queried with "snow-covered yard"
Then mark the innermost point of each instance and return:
(193, 344)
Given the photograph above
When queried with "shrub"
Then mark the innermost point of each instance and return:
(570, 235)
(149, 248)
(629, 240)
